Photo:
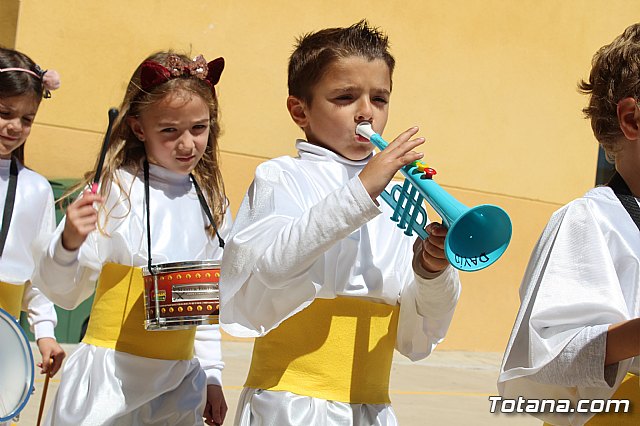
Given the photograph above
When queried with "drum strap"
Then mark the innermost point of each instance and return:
(205, 207)
(9, 202)
(622, 191)
(201, 199)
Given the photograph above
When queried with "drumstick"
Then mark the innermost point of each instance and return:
(113, 113)
(44, 392)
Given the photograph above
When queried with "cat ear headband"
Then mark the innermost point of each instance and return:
(153, 73)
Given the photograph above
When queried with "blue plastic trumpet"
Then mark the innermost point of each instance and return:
(477, 236)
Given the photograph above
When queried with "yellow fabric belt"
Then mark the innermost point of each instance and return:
(118, 315)
(336, 349)
(629, 389)
(11, 298)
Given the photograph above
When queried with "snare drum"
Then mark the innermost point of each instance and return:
(16, 367)
(181, 295)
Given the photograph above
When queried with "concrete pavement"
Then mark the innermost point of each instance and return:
(447, 388)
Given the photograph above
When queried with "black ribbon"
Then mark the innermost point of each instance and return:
(622, 191)
(9, 202)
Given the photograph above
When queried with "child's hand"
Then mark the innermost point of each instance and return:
(50, 350)
(216, 408)
(433, 258)
(382, 167)
(82, 218)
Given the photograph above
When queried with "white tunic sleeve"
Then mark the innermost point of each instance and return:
(426, 310)
(41, 313)
(276, 238)
(582, 277)
(207, 346)
(69, 277)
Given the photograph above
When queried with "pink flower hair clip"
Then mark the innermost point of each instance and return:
(50, 80)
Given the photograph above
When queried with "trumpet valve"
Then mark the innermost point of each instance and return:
(429, 173)
(424, 168)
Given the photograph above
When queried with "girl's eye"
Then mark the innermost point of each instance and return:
(200, 127)
(380, 100)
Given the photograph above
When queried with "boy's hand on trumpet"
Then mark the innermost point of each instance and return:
(432, 257)
(383, 166)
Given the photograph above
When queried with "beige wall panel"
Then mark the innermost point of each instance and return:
(9, 11)
(58, 152)
(489, 300)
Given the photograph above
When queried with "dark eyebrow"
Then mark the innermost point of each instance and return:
(345, 89)
(381, 91)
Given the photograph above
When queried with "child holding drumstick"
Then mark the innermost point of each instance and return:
(161, 156)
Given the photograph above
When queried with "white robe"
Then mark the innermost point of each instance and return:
(308, 229)
(133, 389)
(33, 216)
(583, 275)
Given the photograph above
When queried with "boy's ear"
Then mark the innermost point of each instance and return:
(298, 111)
(136, 127)
(629, 118)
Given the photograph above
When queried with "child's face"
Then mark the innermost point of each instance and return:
(16, 117)
(352, 90)
(174, 130)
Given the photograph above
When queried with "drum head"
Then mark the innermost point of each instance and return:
(16, 367)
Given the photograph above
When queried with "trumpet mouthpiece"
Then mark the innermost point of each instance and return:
(365, 130)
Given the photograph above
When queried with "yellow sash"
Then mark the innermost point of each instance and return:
(11, 298)
(629, 389)
(336, 349)
(118, 315)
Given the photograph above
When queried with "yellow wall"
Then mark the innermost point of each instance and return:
(491, 83)
(8, 22)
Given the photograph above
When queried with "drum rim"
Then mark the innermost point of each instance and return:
(16, 326)
(182, 266)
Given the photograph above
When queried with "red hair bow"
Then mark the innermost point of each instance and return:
(153, 73)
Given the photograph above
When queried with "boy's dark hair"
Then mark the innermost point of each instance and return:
(615, 75)
(315, 52)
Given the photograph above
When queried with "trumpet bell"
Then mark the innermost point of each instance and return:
(478, 237)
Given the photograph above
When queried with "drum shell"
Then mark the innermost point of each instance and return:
(187, 294)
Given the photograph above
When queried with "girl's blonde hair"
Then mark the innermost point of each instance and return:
(125, 150)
